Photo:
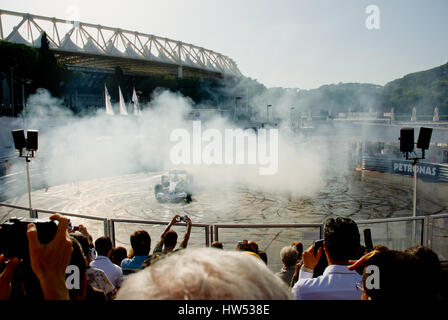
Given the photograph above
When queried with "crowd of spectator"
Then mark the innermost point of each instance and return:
(340, 269)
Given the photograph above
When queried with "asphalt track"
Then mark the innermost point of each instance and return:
(132, 197)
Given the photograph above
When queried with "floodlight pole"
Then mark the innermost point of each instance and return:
(28, 155)
(12, 90)
(28, 178)
(414, 200)
(26, 147)
(414, 211)
(267, 112)
(423, 143)
(292, 121)
(235, 107)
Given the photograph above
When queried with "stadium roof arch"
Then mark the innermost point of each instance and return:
(85, 45)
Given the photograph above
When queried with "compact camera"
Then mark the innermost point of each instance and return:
(13, 239)
(318, 244)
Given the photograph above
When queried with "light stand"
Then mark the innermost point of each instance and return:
(235, 108)
(407, 146)
(267, 112)
(292, 120)
(26, 148)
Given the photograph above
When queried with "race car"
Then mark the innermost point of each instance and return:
(175, 187)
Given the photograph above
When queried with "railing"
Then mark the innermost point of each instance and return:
(112, 223)
(31, 211)
(105, 221)
(395, 233)
(401, 235)
(437, 234)
(282, 225)
(271, 238)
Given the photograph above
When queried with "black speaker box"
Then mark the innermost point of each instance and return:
(424, 138)
(19, 139)
(407, 140)
(31, 139)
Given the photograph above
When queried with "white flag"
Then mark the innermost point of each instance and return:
(123, 110)
(107, 102)
(137, 110)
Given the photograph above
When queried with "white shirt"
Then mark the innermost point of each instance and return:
(336, 283)
(97, 278)
(113, 272)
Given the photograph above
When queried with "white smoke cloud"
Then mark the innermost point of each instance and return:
(75, 148)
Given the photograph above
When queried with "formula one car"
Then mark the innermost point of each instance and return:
(175, 187)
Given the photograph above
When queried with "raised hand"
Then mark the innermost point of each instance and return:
(49, 261)
(309, 259)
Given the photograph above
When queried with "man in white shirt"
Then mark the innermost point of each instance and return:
(103, 247)
(341, 244)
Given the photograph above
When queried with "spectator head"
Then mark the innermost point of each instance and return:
(400, 277)
(299, 247)
(205, 274)
(244, 246)
(254, 246)
(342, 240)
(263, 256)
(118, 254)
(435, 274)
(428, 256)
(170, 239)
(103, 246)
(141, 243)
(217, 245)
(289, 256)
(83, 242)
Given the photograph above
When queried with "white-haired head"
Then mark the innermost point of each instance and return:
(205, 274)
(289, 256)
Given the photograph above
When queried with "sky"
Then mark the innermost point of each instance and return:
(284, 43)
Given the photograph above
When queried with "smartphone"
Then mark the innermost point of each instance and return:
(318, 244)
(182, 219)
(76, 228)
(368, 240)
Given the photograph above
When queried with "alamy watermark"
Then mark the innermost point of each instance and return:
(373, 278)
(373, 18)
(73, 278)
(73, 14)
(229, 148)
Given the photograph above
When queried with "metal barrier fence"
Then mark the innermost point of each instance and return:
(395, 233)
(437, 235)
(95, 232)
(270, 238)
(112, 223)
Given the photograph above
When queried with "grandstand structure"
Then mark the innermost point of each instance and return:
(84, 46)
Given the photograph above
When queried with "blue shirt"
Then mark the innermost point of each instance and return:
(132, 265)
